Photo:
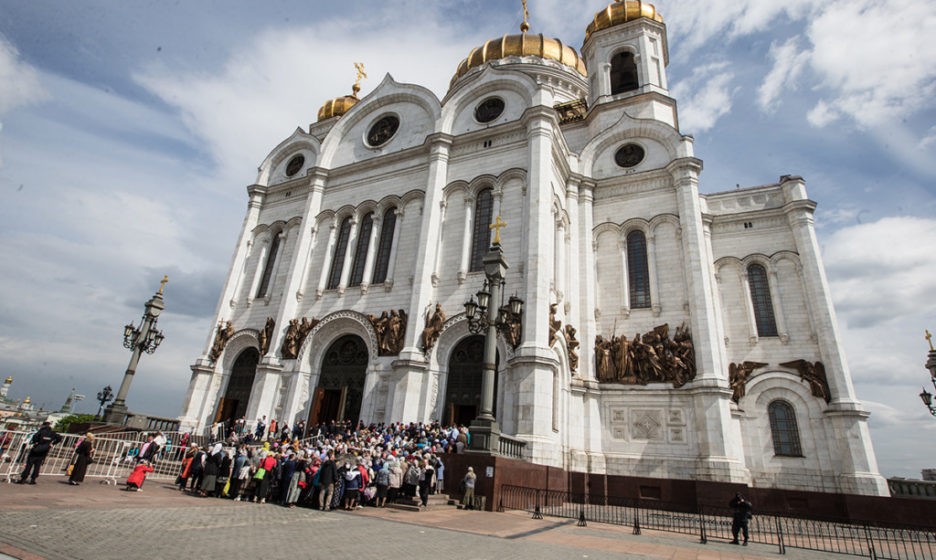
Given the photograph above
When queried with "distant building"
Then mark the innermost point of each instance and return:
(666, 333)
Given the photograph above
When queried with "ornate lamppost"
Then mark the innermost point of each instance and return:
(926, 396)
(145, 338)
(104, 396)
(485, 433)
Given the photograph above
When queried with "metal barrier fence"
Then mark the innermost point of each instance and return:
(855, 538)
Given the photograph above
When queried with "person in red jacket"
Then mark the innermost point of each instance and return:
(138, 476)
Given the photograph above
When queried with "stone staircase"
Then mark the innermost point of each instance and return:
(412, 504)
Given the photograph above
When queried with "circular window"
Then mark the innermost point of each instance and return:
(294, 165)
(629, 155)
(383, 130)
(489, 109)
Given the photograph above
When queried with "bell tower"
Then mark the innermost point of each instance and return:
(626, 55)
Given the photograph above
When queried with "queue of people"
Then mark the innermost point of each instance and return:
(342, 466)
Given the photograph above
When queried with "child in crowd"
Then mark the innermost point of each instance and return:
(138, 476)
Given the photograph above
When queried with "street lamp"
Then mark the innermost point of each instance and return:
(104, 396)
(926, 396)
(145, 338)
(485, 433)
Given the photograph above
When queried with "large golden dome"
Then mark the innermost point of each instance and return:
(336, 107)
(521, 45)
(622, 11)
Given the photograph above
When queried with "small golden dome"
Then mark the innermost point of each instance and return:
(336, 107)
(521, 45)
(622, 11)
(27, 400)
(9, 380)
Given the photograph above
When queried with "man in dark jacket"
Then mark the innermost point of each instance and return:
(328, 475)
(742, 514)
(42, 443)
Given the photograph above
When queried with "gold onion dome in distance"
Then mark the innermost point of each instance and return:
(339, 105)
(622, 11)
(521, 45)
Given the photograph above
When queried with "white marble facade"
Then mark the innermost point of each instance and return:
(571, 209)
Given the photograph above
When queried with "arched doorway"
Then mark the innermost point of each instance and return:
(341, 382)
(233, 404)
(463, 389)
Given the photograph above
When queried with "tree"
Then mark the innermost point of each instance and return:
(63, 424)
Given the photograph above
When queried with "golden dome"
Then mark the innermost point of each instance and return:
(27, 400)
(521, 45)
(336, 107)
(9, 380)
(622, 11)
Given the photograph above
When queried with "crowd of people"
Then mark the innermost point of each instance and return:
(338, 465)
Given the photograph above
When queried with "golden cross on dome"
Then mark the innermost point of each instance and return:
(496, 226)
(162, 284)
(929, 338)
(525, 26)
(359, 66)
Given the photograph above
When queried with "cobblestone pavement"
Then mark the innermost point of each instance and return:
(53, 521)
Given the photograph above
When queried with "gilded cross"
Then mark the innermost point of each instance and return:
(525, 26)
(929, 338)
(359, 66)
(496, 226)
(162, 284)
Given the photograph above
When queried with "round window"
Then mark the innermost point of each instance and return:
(383, 130)
(629, 155)
(489, 109)
(294, 165)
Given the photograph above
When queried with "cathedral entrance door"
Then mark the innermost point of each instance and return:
(463, 388)
(341, 382)
(233, 404)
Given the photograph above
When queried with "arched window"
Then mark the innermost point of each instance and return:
(385, 246)
(360, 252)
(638, 273)
(783, 429)
(334, 276)
(481, 237)
(268, 267)
(760, 298)
(623, 73)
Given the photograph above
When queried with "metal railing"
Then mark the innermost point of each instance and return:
(854, 538)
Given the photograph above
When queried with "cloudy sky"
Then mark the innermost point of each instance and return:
(129, 131)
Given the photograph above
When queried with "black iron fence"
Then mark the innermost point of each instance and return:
(855, 538)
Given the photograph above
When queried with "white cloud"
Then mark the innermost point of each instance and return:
(789, 62)
(704, 97)
(873, 57)
(19, 82)
(277, 80)
(696, 23)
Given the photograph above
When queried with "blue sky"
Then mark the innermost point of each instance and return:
(129, 131)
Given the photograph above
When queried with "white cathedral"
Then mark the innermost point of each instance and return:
(665, 333)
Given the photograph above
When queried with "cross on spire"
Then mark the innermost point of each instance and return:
(496, 226)
(525, 26)
(929, 338)
(162, 284)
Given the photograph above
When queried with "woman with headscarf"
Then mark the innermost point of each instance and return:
(383, 484)
(240, 473)
(267, 465)
(352, 477)
(212, 469)
(186, 471)
(396, 480)
(297, 481)
(83, 456)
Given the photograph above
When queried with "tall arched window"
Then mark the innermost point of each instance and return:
(623, 73)
(360, 252)
(268, 267)
(334, 276)
(481, 237)
(385, 246)
(783, 429)
(638, 272)
(760, 298)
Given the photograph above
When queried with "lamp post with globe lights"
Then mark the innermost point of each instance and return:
(145, 338)
(104, 396)
(485, 433)
(926, 396)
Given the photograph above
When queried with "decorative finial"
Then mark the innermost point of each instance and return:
(525, 26)
(496, 226)
(929, 338)
(359, 66)
(162, 284)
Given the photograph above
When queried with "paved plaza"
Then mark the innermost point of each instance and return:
(52, 521)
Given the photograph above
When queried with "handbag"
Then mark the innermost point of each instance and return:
(261, 472)
(69, 469)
